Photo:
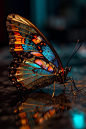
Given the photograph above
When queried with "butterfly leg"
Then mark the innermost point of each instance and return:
(72, 81)
(54, 90)
(64, 88)
(72, 88)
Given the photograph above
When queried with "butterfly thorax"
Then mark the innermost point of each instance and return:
(61, 76)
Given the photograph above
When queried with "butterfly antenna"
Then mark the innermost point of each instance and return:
(72, 54)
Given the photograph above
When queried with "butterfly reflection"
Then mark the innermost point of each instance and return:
(39, 108)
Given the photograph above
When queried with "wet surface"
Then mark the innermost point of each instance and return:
(69, 110)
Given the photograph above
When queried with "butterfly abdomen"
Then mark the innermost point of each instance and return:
(41, 82)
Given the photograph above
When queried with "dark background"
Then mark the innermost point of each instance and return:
(59, 20)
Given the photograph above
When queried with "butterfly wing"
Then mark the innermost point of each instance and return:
(35, 60)
(26, 76)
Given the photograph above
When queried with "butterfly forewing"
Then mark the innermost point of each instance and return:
(34, 59)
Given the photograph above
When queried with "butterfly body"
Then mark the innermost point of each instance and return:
(35, 62)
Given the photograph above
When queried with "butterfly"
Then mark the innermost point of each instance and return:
(35, 62)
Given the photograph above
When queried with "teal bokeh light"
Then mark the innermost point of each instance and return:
(78, 119)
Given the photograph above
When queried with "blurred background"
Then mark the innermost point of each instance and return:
(61, 21)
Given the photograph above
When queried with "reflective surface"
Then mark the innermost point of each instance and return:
(65, 110)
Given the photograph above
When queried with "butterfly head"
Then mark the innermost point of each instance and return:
(67, 69)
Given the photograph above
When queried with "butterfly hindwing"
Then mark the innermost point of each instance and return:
(28, 76)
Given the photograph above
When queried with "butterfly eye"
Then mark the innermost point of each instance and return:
(68, 69)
